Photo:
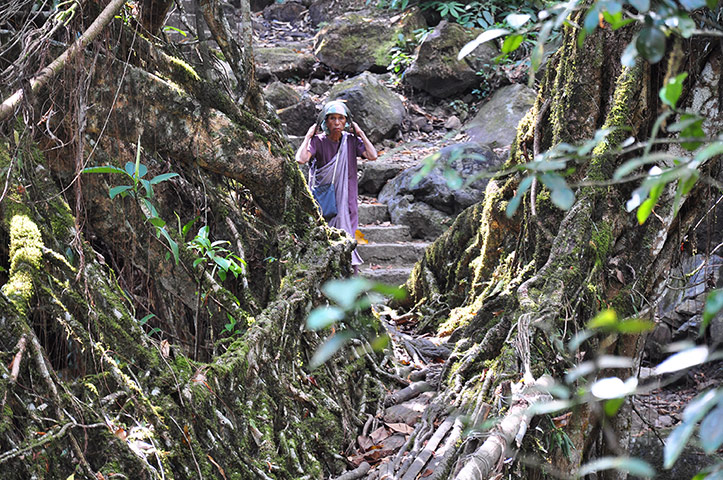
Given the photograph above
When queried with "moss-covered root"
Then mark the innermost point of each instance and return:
(26, 251)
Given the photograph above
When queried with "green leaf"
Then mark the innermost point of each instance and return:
(345, 292)
(514, 204)
(713, 305)
(635, 325)
(120, 189)
(694, 130)
(396, 293)
(616, 20)
(516, 20)
(163, 177)
(685, 121)
(641, 6)
(145, 319)
(698, 407)
(712, 150)
(197, 261)
(605, 319)
(711, 430)
(644, 210)
(171, 243)
(512, 43)
(613, 387)
(322, 317)
(670, 93)
(380, 343)
(222, 275)
(612, 406)
(157, 222)
(592, 19)
(675, 443)
(682, 360)
(223, 263)
(188, 226)
(329, 348)
(563, 198)
(691, 5)
(483, 37)
(651, 44)
(633, 466)
(104, 169)
(627, 59)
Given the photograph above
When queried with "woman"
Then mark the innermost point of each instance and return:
(333, 156)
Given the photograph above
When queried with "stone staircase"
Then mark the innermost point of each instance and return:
(391, 252)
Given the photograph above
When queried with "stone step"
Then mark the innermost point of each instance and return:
(394, 275)
(392, 253)
(373, 213)
(386, 233)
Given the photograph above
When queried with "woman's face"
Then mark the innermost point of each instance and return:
(335, 122)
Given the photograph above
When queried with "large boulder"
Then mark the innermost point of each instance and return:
(281, 95)
(288, 11)
(324, 11)
(436, 69)
(374, 175)
(360, 41)
(429, 206)
(299, 117)
(280, 63)
(496, 122)
(377, 110)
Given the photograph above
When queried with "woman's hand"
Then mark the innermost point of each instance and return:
(303, 154)
(370, 153)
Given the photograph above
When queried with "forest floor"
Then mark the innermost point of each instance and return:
(419, 360)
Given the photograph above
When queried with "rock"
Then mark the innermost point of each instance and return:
(466, 159)
(375, 174)
(496, 122)
(452, 123)
(258, 5)
(664, 421)
(424, 222)
(324, 11)
(281, 63)
(288, 11)
(422, 124)
(360, 41)
(658, 341)
(716, 329)
(377, 110)
(319, 86)
(436, 69)
(430, 206)
(299, 117)
(408, 412)
(281, 95)
(689, 329)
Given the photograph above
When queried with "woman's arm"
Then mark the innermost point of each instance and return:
(303, 154)
(370, 153)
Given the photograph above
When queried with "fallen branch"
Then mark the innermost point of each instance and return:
(355, 474)
(8, 107)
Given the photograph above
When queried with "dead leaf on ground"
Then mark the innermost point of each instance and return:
(165, 348)
(400, 428)
(365, 443)
(379, 434)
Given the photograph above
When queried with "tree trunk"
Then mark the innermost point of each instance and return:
(520, 288)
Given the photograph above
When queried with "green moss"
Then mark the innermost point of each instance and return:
(26, 252)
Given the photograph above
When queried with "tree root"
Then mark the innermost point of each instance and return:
(357, 473)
